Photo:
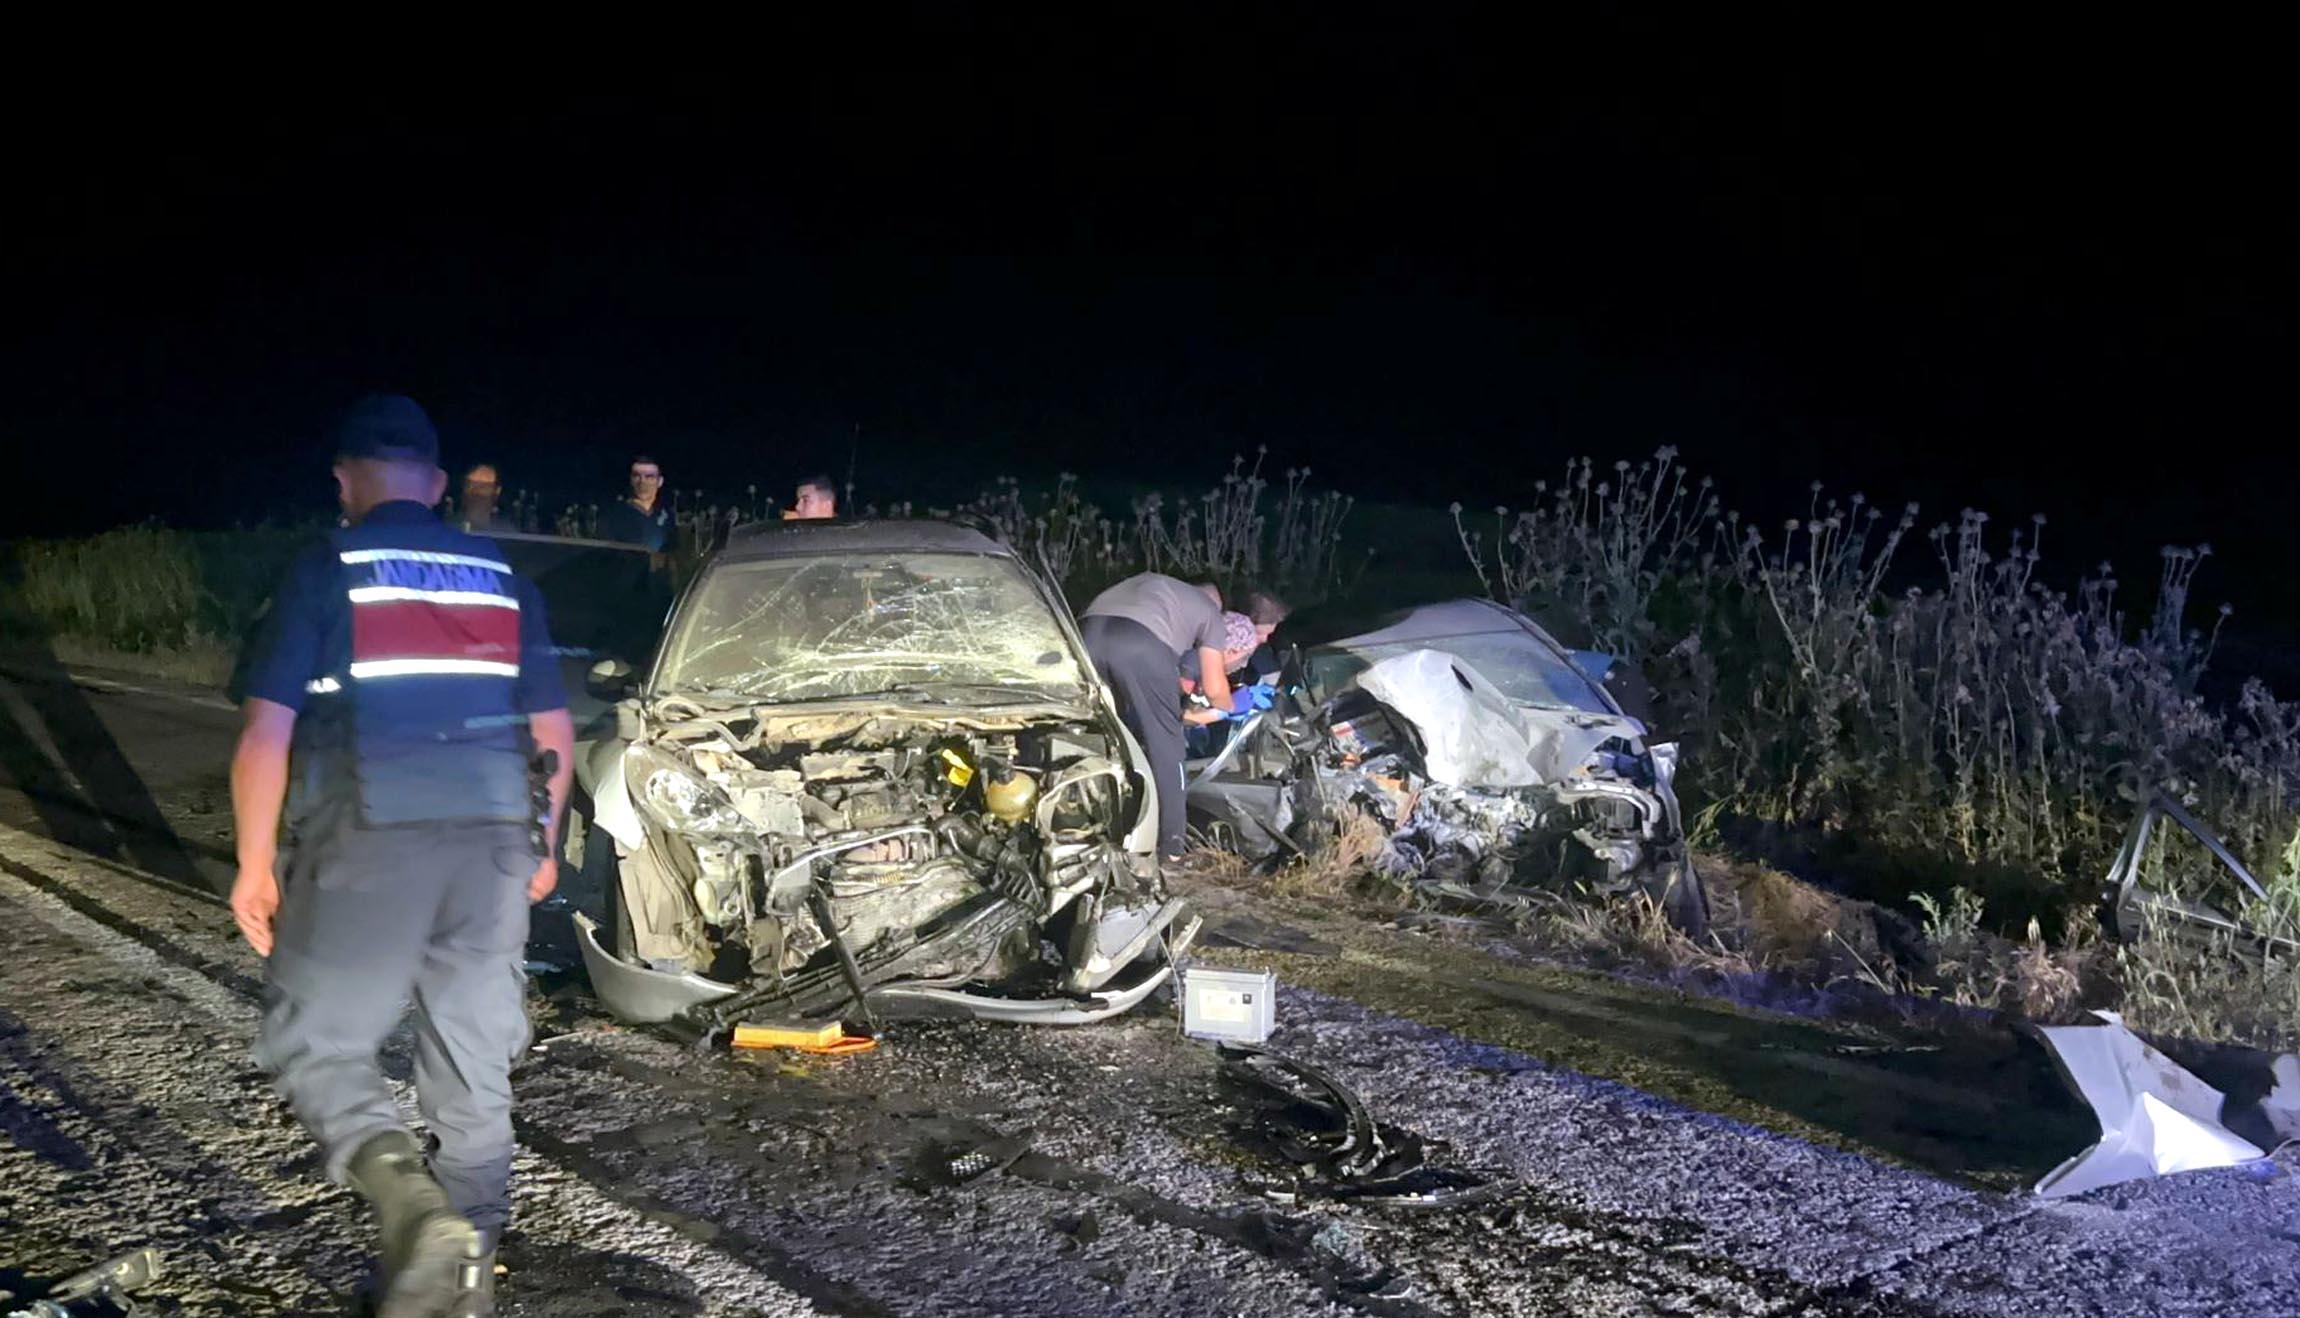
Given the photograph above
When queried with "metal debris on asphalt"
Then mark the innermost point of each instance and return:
(956, 1162)
(1308, 1118)
(111, 1282)
(2156, 1118)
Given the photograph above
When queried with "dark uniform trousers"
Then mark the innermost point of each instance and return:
(370, 919)
(1146, 678)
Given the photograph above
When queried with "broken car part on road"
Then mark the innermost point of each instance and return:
(1501, 771)
(2156, 1117)
(113, 1283)
(1308, 1118)
(2132, 906)
(871, 772)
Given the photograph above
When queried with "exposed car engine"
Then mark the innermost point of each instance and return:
(779, 833)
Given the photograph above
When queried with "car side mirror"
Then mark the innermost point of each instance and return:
(611, 679)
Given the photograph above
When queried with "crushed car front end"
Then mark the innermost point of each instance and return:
(1500, 771)
(872, 774)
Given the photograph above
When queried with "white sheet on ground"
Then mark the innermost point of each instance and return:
(2155, 1117)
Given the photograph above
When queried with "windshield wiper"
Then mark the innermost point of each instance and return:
(920, 695)
(936, 693)
(706, 693)
(1014, 693)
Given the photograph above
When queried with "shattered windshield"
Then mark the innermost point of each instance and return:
(949, 626)
(1521, 667)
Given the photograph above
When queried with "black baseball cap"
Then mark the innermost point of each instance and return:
(387, 426)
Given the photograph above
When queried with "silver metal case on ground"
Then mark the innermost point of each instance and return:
(1233, 1006)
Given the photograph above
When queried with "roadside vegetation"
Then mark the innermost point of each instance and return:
(173, 604)
(1950, 736)
(1904, 713)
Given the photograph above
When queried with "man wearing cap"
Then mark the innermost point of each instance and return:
(399, 702)
(1136, 633)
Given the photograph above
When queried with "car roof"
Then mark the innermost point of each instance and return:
(1466, 616)
(795, 539)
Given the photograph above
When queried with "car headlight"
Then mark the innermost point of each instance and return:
(678, 799)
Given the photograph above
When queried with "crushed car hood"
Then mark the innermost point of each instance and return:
(1474, 736)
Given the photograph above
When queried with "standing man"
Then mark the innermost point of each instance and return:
(396, 698)
(817, 498)
(642, 519)
(1136, 633)
(481, 490)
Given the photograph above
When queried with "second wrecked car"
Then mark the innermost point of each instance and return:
(1497, 765)
(870, 770)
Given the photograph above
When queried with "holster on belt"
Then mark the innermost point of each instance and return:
(540, 771)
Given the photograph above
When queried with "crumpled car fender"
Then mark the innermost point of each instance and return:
(611, 807)
(636, 993)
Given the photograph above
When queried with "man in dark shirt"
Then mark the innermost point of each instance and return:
(644, 518)
(1136, 633)
(398, 695)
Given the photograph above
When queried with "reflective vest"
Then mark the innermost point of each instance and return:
(420, 708)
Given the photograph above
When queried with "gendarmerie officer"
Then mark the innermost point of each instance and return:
(401, 701)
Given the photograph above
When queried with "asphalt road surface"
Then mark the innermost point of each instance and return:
(654, 1179)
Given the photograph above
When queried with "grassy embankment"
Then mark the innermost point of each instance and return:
(146, 599)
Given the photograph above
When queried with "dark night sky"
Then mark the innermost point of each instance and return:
(2033, 271)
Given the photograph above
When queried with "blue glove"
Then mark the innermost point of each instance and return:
(1246, 699)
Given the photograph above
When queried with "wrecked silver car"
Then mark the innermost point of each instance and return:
(870, 771)
(1498, 767)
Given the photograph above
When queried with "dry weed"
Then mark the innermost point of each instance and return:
(1637, 929)
(1785, 924)
(1974, 715)
(2043, 985)
(1217, 867)
(1973, 968)
(2219, 989)
(1336, 866)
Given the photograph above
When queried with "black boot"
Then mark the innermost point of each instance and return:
(428, 1248)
